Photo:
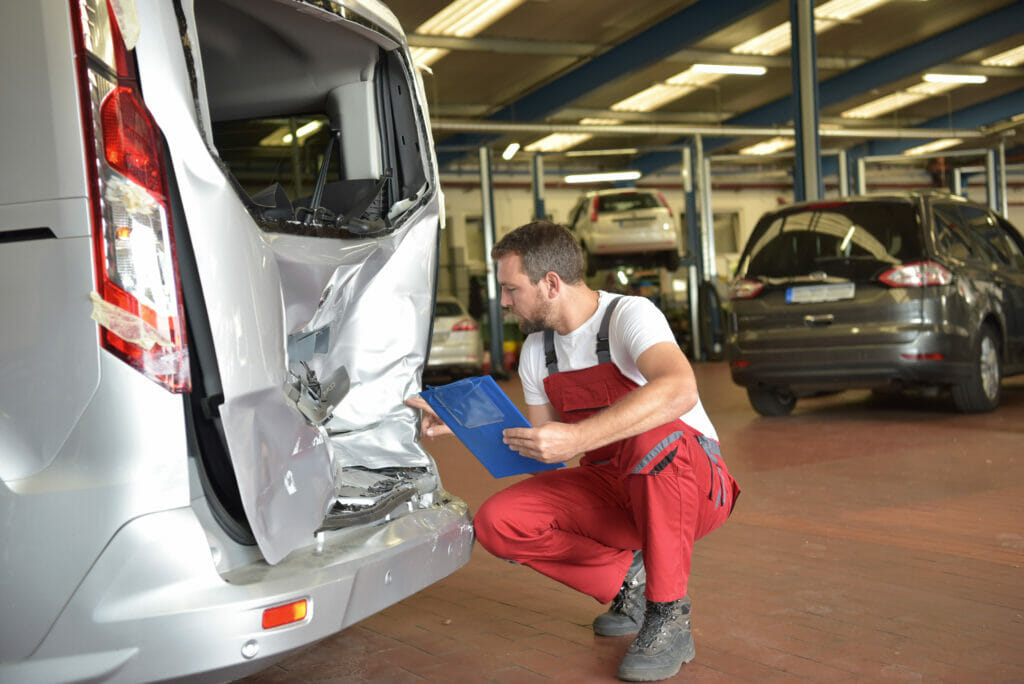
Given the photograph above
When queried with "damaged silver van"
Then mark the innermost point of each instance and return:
(218, 248)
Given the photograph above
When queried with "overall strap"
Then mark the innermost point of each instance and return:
(604, 354)
(550, 358)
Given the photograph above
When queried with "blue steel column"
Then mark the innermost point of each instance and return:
(694, 267)
(807, 182)
(493, 289)
(537, 171)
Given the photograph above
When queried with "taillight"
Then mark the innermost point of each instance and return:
(465, 324)
(665, 204)
(138, 298)
(593, 209)
(918, 274)
(744, 289)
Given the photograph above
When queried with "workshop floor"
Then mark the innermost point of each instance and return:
(877, 539)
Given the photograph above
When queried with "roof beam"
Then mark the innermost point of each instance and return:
(665, 38)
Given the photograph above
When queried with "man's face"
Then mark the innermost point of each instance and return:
(528, 301)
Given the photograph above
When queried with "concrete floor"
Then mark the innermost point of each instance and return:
(877, 539)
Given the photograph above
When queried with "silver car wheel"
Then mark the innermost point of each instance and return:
(988, 362)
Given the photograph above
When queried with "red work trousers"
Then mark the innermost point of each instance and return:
(659, 492)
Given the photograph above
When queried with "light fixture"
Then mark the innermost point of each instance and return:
(898, 100)
(598, 121)
(604, 176)
(652, 98)
(282, 135)
(737, 69)
(826, 16)
(557, 142)
(510, 151)
(955, 78)
(620, 275)
(603, 153)
(1010, 58)
(464, 18)
(933, 146)
(769, 146)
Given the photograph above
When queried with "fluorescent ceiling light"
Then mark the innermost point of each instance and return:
(464, 18)
(769, 146)
(1010, 58)
(557, 142)
(510, 151)
(737, 69)
(777, 40)
(652, 98)
(599, 177)
(603, 153)
(599, 121)
(954, 78)
(898, 100)
(933, 146)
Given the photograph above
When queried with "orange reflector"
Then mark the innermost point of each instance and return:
(284, 615)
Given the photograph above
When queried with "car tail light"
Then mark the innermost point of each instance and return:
(138, 298)
(280, 616)
(593, 209)
(744, 289)
(665, 204)
(464, 325)
(924, 357)
(739, 363)
(918, 274)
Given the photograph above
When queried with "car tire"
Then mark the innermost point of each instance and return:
(771, 401)
(980, 392)
(672, 260)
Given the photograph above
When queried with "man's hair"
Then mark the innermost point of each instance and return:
(543, 246)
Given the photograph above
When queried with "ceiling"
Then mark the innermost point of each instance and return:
(551, 63)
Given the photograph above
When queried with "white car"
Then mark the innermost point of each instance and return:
(626, 227)
(456, 347)
(205, 458)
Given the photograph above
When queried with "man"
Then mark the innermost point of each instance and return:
(603, 376)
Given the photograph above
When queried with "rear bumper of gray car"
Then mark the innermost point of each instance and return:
(154, 607)
(931, 359)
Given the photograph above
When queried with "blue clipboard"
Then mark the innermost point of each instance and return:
(477, 411)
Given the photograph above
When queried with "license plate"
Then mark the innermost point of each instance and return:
(833, 292)
(439, 338)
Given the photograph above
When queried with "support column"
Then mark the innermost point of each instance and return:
(537, 169)
(862, 181)
(991, 183)
(493, 290)
(1004, 206)
(807, 182)
(694, 268)
(844, 173)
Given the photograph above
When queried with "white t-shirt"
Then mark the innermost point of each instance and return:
(636, 325)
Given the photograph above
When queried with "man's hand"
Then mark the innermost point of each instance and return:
(552, 442)
(432, 426)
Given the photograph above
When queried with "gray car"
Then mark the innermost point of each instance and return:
(922, 290)
(205, 458)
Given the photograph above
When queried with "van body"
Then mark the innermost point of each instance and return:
(209, 329)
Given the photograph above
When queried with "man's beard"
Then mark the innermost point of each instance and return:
(538, 324)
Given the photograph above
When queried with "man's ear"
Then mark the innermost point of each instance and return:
(554, 284)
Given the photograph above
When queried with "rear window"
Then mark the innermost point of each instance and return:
(854, 241)
(627, 201)
(447, 309)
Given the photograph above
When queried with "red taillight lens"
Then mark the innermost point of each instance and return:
(665, 204)
(593, 209)
(464, 325)
(924, 357)
(138, 297)
(744, 289)
(285, 615)
(130, 142)
(739, 363)
(918, 274)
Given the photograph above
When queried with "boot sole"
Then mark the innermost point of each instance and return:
(656, 674)
(616, 631)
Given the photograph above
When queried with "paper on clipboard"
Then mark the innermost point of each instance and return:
(477, 411)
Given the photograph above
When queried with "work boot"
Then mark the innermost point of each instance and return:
(626, 613)
(663, 644)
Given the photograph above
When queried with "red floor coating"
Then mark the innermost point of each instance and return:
(878, 539)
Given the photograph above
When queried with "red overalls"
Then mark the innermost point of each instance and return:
(658, 491)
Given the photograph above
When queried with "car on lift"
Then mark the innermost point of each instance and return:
(206, 462)
(456, 346)
(626, 226)
(921, 290)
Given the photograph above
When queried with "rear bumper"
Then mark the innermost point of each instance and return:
(848, 367)
(154, 607)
